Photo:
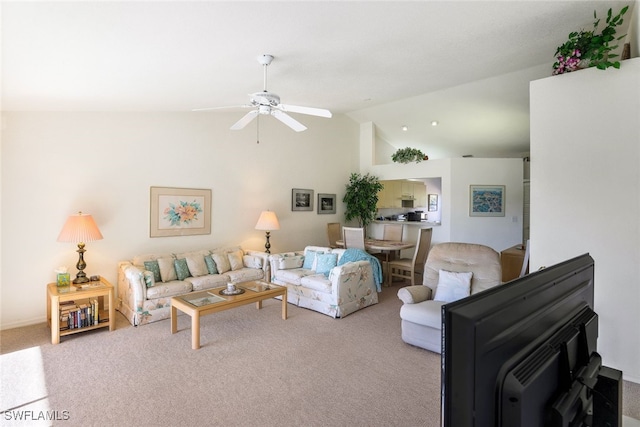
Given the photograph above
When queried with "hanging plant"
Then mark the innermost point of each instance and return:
(408, 155)
(588, 48)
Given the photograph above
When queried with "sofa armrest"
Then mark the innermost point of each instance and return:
(263, 258)
(414, 294)
(131, 286)
(352, 281)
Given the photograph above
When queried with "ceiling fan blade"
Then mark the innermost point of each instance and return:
(245, 120)
(321, 112)
(288, 120)
(221, 108)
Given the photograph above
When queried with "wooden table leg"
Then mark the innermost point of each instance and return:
(284, 305)
(259, 304)
(195, 331)
(174, 320)
(55, 321)
(112, 312)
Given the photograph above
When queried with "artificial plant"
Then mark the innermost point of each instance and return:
(361, 198)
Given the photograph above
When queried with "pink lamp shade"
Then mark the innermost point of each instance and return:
(80, 228)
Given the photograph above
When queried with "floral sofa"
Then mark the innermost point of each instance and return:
(316, 279)
(147, 282)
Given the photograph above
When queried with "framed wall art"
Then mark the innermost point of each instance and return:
(486, 200)
(179, 211)
(301, 200)
(326, 203)
(432, 202)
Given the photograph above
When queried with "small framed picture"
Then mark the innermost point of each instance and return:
(326, 203)
(486, 200)
(301, 200)
(433, 202)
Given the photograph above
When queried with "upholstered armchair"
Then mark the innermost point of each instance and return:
(452, 271)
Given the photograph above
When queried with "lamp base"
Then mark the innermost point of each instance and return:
(267, 246)
(81, 278)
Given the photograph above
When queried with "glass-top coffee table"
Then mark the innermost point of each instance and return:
(197, 304)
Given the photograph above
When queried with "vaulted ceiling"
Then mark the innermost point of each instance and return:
(465, 64)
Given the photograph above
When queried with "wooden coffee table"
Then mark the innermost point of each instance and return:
(197, 304)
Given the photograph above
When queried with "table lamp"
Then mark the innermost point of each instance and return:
(268, 221)
(80, 229)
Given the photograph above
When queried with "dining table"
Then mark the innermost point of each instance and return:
(383, 245)
(389, 247)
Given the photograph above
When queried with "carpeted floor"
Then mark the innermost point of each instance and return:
(253, 369)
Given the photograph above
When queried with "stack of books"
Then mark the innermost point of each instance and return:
(73, 316)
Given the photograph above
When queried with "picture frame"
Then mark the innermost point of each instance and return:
(432, 202)
(486, 200)
(179, 211)
(301, 199)
(326, 203)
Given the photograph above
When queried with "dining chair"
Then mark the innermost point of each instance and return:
(389, 232)
(334, 233)
(353, 237)
(410, 268)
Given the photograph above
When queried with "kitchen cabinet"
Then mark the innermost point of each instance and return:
(390, 195)
(419, 194)
(395, 190)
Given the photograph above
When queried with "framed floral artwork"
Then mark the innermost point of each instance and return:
(179, 211)
(486, 200)
(301, 200)
(326, 203)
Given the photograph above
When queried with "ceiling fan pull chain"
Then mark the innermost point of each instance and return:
(258, 130)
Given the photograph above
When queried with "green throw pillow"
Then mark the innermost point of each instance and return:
(211, 265)
(182, 270)
(153, 267)
(148, 278)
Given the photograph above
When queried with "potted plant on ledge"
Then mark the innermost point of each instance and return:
(407, 155)
(589, 49)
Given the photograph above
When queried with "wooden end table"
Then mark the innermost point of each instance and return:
(198, 304)
(91, 290)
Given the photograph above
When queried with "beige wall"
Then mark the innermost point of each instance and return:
(55, 164)
(585, 193)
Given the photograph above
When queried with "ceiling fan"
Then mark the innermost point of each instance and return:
(266, 102)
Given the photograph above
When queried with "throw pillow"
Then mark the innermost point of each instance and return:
(453, 286)
(182, 269)
(196, 264)
(325, 262)
(235, 260)
(288, 262)
(211, 265)
(153, 267)
(222, 262)
(414, 294)
(252, 261)
(149, 278)
(167, 269)
(309, 259)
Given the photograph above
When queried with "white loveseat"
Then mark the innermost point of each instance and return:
(466, 265)
(147, 282)
(314, 280)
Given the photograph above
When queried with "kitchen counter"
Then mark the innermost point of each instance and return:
(421, 223)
